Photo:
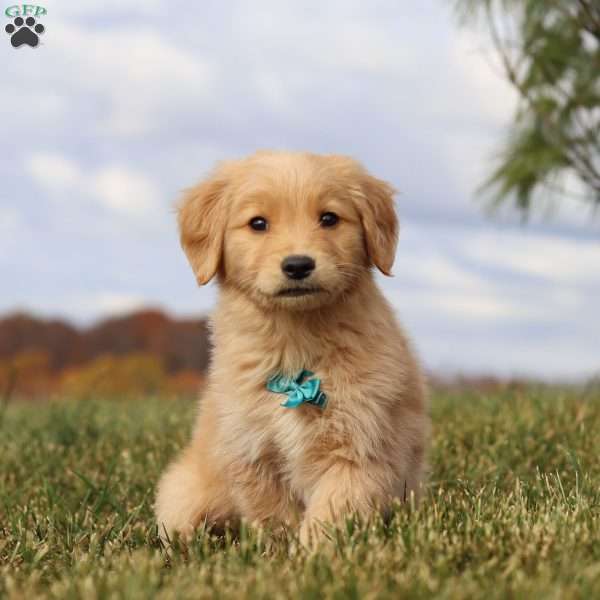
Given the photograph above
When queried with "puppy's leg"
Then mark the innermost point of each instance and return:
(190, 493)
(262, 496)
(342, 490)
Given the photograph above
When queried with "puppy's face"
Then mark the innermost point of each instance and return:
(292, 231)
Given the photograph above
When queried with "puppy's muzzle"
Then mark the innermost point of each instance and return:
(297, 266)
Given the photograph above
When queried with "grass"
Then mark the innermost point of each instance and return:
(512, 510)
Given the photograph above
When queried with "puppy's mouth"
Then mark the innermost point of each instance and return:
(296, 292)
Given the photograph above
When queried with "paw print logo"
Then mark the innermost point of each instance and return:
(24, 32)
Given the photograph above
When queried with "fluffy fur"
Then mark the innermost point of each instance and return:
(249, 457)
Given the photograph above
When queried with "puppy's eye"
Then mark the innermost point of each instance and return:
(329, 219)
(258, 224)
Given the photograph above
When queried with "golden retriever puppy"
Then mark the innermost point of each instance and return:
(315, 405)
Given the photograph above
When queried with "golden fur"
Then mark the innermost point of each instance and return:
(249, 457)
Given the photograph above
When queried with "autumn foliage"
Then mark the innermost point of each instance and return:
(145, 353)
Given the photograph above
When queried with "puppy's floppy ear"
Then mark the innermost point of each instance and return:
(379, 222)
(202, 218)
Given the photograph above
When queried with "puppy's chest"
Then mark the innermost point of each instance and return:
(264, 427)
(255, 425)
(260, 432)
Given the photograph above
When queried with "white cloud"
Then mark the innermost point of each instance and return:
(132, 73)
(357, 43)
(124, 191)
(477, 307)
(141, 75)
(115, 188)
(461, 306)
(113, 302)
(84, 307)
(99, 8)
(54, 171)
(565, 261)
(436, 270)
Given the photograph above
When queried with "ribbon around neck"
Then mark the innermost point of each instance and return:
(299, 389)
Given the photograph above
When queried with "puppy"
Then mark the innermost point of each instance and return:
(315, 406)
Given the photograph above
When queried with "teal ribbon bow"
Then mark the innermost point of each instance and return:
(299, 389)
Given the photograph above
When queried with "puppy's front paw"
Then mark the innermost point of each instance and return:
(177, 509)
(171, 522)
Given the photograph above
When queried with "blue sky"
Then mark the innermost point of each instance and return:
(126, 103)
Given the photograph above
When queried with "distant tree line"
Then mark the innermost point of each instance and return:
(181, 344)
(141, 353)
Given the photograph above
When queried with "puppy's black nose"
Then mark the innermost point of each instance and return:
(297, 266)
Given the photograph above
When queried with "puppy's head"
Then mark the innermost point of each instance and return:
(290, 230)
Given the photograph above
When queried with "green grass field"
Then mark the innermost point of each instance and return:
(512, 510)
